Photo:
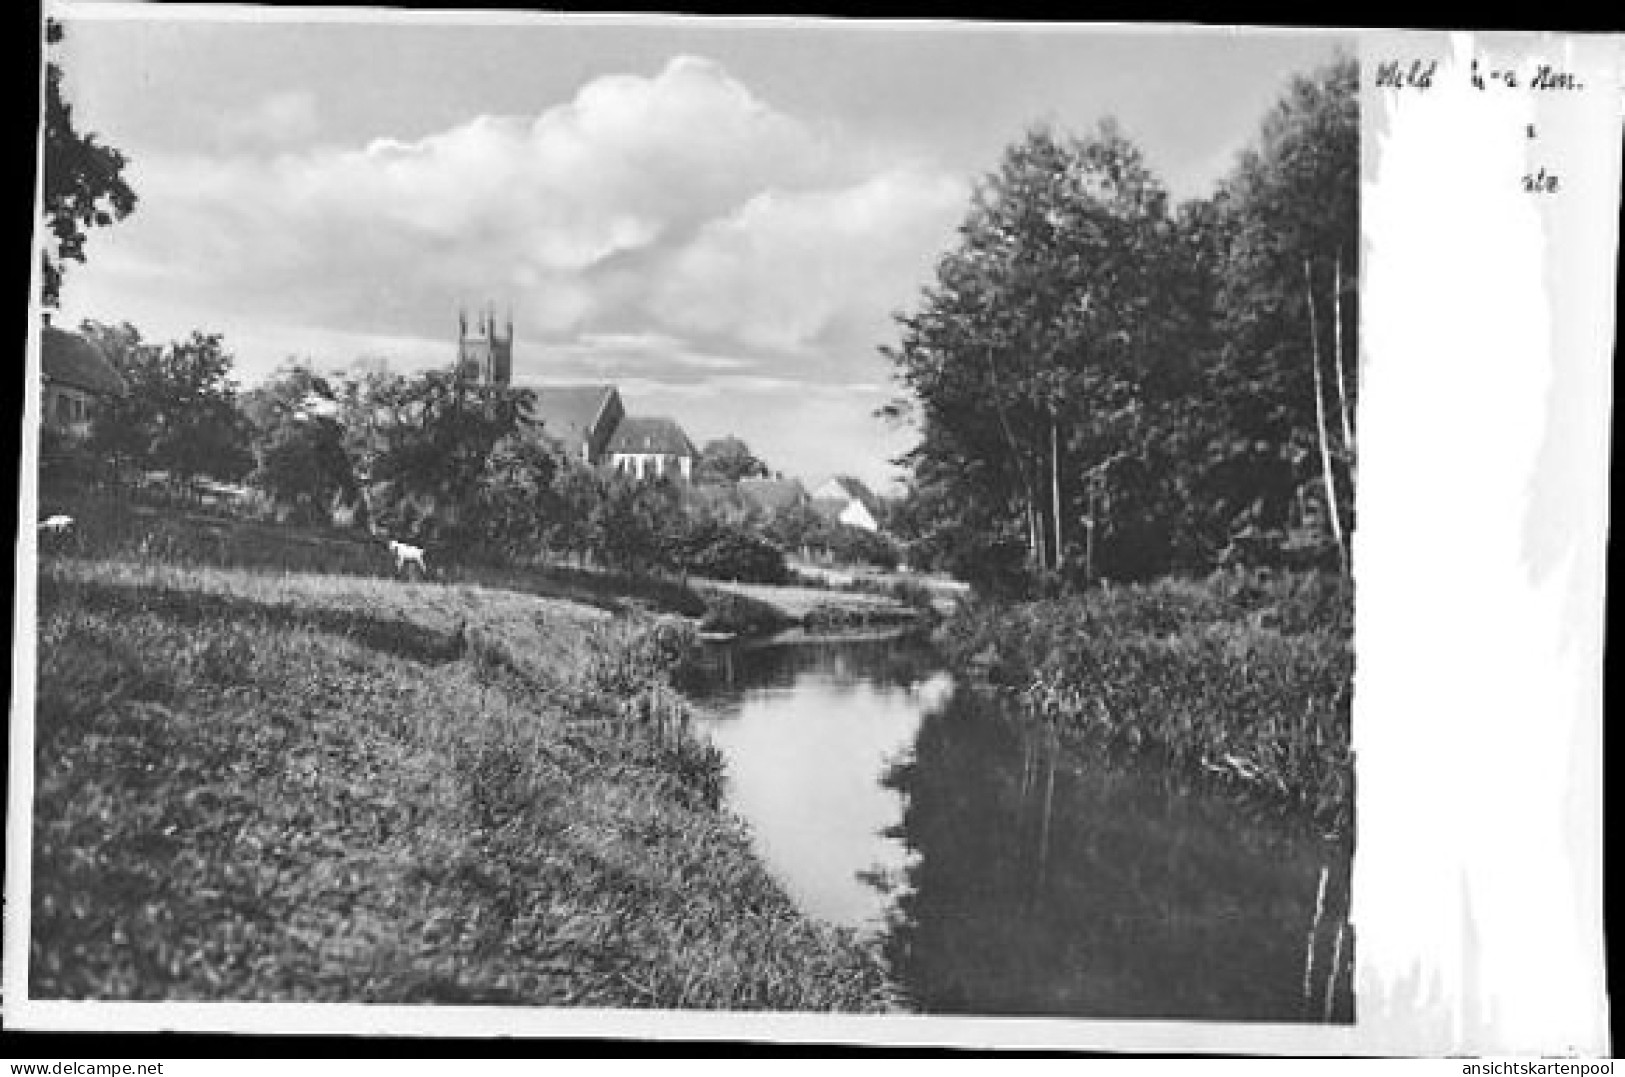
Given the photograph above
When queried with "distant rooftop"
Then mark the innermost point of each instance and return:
(70, 359)
(848, 488)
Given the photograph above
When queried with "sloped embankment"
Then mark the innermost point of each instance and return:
(316, 788)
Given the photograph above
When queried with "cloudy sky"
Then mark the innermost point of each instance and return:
(718, 218)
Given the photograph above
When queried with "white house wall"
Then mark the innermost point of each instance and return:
(855, 515)
(644, 465)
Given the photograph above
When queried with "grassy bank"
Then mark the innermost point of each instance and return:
(1241, 677)
(124, 530)
(328, 788)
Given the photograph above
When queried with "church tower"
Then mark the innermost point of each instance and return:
(486, 354)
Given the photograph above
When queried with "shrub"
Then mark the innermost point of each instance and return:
(729, 612)
(725, 551)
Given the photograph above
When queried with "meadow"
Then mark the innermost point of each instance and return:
(286, 785)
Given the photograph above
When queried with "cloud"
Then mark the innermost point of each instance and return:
(789, 268)
(679, 203)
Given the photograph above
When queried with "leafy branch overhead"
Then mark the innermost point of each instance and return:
(84, 185)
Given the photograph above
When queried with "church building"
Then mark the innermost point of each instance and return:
(588, 422)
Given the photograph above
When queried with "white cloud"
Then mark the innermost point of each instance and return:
(789, 267)
(680, 202)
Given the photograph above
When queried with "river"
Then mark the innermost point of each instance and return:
(1001, 874)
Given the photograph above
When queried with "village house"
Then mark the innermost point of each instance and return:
(650, 447)
(76, 381)
(847, 500)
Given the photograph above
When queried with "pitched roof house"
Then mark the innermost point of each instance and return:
(847, 500)
(76, 378)
(651, 446)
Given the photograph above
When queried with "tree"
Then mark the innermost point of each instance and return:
(516, 506)
(181, 413)
(122, 429)
(636, 525)
(727, 460)
(421, 447)
(1287, 291)
(84, 183)
(1028, 359)
(573, 493)
(298, 442)
(199, 428)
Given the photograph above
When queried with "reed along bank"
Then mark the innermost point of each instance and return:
(306, 787)
(1243, 678)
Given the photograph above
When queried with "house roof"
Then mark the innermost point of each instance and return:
(830, 508)
(773, 494)
(71, 359)
(637, 434)
(848, 488)
(570, 412)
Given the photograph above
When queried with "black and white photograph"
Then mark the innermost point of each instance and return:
(675, 514)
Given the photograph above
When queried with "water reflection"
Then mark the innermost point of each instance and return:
(808, 730)
(1002, 874)
(1048, 884)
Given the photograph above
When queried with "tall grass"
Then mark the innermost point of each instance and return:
(318, 788)
(1242, 677)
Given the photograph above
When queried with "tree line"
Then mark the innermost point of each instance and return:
(1107, 385)
(430, 458)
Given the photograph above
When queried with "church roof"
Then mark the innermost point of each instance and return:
(70, 359)
(651, 435)
(570, 412)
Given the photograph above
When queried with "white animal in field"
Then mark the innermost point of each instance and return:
(406, 556)
(56, 525)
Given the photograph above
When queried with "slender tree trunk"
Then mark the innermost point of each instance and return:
(1309, 947)
(1044, 826)
(1033, 532)
(1055, 486)
(1331, 977)
(1320, 422)
(1089, 536)
(1342, 391)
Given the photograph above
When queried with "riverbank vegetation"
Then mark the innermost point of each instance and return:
(310, 787)
(1244, 678)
